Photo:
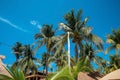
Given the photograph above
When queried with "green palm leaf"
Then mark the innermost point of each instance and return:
(16, 74)
(5, 77)
(110, 48)
(64, 74)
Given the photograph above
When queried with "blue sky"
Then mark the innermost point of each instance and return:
(16, 17)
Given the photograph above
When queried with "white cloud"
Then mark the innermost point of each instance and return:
(33, 22)
(13, 25)
(36, 23)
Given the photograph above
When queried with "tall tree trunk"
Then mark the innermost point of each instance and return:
(81, 50)
(46, 65)
(76, 52)
(117, 49)
(68, 51)
(47, 62)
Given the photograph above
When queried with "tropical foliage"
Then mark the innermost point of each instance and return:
(79, 32)
(64, 74)
(114, 40)
(45, 37)
(26, 61)
(15, 74)
(86, 48)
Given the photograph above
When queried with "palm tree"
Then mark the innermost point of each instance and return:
(89, 55)
(46, 61)
(18, 50)
(28, 62)
(60, 59)
(78, 31)
(114, 63)
(114, 40)
(46, 37)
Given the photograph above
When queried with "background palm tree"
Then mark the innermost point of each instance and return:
(27, 63)
(45, 62)
(89, 53)
(113, 64)
(114, 41)
(45, 37)
(60, 59)
(17, 50)
(90, 56)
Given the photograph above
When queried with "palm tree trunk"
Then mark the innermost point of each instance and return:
(117, 49)
(81, 51)
(46, 65)
(68, 51)
(46, 69)
(76, 52)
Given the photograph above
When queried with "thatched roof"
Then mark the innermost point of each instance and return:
(115, 75)
(2, 67)
(89, 76)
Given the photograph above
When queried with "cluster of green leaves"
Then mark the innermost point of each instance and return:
(25, 59)
(15, 74)
(64, 74)
(86, 46)
(82, 67)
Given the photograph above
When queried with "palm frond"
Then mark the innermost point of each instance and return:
(16, 74)
(110, 41)
(5, 77)
(96, 40)
(82, 24)
(64, 27)
(79, 15)
(38, 36)
(110, 48)
(63, 75)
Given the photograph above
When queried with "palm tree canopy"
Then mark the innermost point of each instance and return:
(114, 40)
(18, 48)
(45, 37)
(27, 62)
(46, 31)
(78, 31)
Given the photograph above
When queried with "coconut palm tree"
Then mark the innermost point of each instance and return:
(114, 41)
(114, 63)
(89, 55)
(28, 62)
(78, 31)
(46, 37)
(88, 51)
(60, 59)
(18, 48)
(18, 52)
(45, 62)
